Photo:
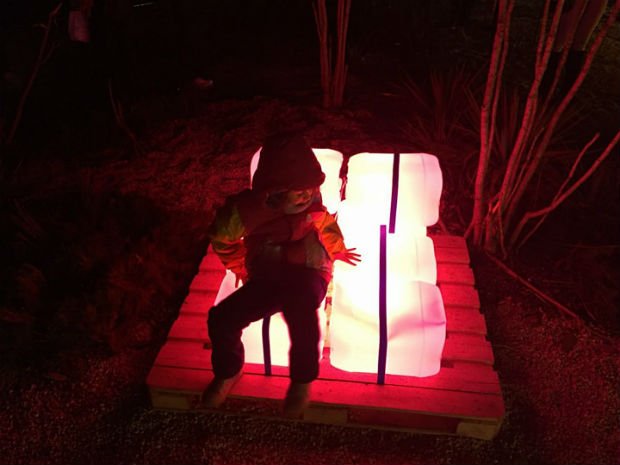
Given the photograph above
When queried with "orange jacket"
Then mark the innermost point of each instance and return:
(253, 238)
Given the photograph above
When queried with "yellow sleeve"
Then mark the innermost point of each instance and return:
(329, 232)
(226, 235)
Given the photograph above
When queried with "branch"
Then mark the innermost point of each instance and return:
(561, 196)
(532, 288)
(553, 121)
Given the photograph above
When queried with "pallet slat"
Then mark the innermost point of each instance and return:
(465, 320)
(207, 280)
(340, 393)
(458, 295)
(449, 242)
(454, 273)
(471, 376)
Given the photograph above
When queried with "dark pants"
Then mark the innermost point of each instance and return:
(297, 292)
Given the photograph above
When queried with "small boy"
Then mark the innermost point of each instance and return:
(281, 242)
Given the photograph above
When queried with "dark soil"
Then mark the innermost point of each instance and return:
(102, 239)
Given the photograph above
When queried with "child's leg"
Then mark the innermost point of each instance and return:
(253, 301)
(304, 292)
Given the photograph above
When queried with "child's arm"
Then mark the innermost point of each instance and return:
(226, 233)
(331, 237)
(329, 232)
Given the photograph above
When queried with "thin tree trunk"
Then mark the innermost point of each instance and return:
(320, 17)
(333, 75)
(540, 150)
(519, 150)
(487, 115)
(340, 73)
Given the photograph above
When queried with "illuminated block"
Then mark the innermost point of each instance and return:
(416, 320)
(416, 326)
(369, 192)
(330, 161)
(410, 253)
(252, 336)
(408, 257)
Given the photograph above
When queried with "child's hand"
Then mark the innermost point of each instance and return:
(348, 256)
(240, 278)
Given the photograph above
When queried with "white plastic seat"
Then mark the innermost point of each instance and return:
(415, 314)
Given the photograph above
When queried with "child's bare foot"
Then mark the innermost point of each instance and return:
(297, 399)
(218, 390)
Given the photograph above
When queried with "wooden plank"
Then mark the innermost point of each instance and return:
(346, 416)
(451, 255)
(210, 261)
(467, 348)
(198, 303)
(342, 415)
(455, 273)
(447, 241)
(465, 320)
(458, 295)
(404, 420)
(350, 395)
(464, 377)
(207, 280)
(479, 429)
(189, 328)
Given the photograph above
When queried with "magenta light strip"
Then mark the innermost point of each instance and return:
(382, 305)
(394, 202)
(266, 346)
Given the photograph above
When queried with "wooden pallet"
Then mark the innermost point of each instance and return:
(463, 399)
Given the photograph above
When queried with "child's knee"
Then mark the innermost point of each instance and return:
(216, 317)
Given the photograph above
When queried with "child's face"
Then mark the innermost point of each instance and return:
(298, 200)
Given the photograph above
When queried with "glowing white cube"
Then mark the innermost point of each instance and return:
(415, 328)
(415, 314)
(369, 192)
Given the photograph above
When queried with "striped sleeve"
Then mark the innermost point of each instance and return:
(330, 233)
(226, 235)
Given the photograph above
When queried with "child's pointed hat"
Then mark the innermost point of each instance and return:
(287, 163)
